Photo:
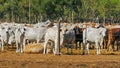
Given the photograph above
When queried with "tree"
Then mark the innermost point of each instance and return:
(71, 10)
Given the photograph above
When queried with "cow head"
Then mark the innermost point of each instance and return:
(11, 37)
(102, 31)
(63, 30)
(5, 28)
(21, 29)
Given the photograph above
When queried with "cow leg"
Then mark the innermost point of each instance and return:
(38, 40)
(99, 51)
(80, 45)
(83, 49)
(97, 47)
(112, 46)
(2, 45)
(12, 45)
(101, 45)
(76, 45)
(105, 44)
(87, 47)
(7, 46)
(21, 48)
(71, 48)
(117, 44)
(67, 50)
(45, 44)
(56, 48)
(17, 47)
(24, 41)
(53, 47)
(108, 45)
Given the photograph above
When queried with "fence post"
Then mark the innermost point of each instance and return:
(84, 44)
(59, 50)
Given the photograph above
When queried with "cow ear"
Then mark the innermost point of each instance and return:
(100, 31)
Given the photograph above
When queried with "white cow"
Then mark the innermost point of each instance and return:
(11, 33)
(20, 38)
(52, 35)
(94, 35)
(24, 33)
(42, 24)
(6, 35)
(67, 38)
(35, 33)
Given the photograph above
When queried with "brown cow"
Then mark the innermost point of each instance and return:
(113, 36)
(106, 40)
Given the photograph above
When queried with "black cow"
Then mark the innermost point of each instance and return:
(78, 36)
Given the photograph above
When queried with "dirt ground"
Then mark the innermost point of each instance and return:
(11, 59)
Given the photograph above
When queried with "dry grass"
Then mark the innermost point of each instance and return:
(33, 48)
(38, 48)
(11, 59)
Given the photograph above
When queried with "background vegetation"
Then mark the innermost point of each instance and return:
(70, 10)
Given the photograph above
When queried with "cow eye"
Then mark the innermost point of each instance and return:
(18, 29)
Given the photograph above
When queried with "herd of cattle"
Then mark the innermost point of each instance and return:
(80, 34)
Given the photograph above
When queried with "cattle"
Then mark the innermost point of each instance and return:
(12, 27)
(52, 35)
(69, 36)
(47, 23)
(113, 36)
(93, 35)
(25, 33)
(105, 40)
(6, 35)
(78, 36)
(35, 33)
(69, 39)
(36, 48)
(33, 48)
(20, 38)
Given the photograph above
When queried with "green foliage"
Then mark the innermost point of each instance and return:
(71, 10)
